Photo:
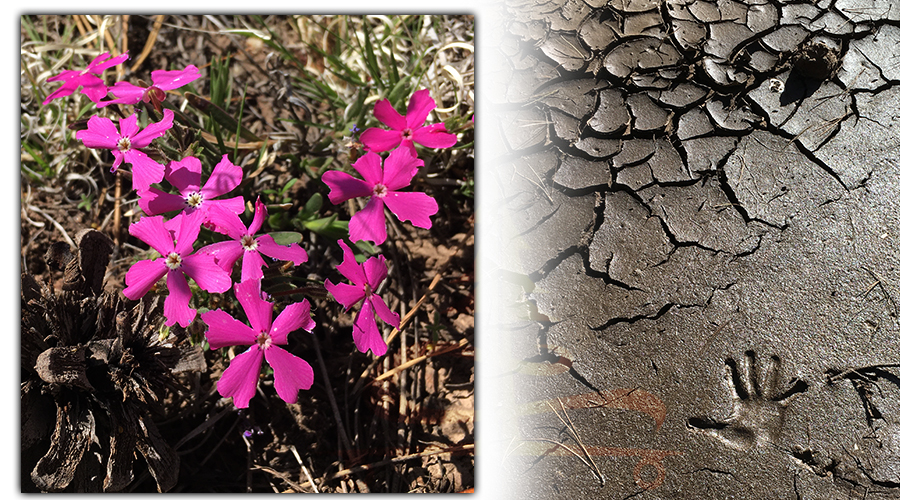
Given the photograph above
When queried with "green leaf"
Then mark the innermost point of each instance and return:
(221, 116)
(328, 226)
(163, 333)
(288, 186)
(285, 238)
(400, 92)
(371, 60)
(355, 112)
(366, 247)
(312, 206)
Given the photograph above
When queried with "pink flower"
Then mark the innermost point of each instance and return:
(406, 130)
(244, 244)
(365, 280)
(382, 186)
(126, 146)
(88, 79)
(263, 336)
(175, 263)
(185, 176)
(127, 93)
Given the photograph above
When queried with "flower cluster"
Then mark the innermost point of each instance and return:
(382, 182)
(365, 280)
(174, 221)
(193, 207)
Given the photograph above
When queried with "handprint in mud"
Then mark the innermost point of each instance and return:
(758, 409)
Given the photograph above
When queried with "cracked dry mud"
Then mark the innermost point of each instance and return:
(692, 259)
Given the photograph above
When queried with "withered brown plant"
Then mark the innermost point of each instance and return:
(95, 361)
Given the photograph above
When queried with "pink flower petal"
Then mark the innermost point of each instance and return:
(378, 139)
(292, 318)
(366, 335)
(144, 171)
(168, 80)
(434, 136)
(369, 167)
(368, 224)
(125, 93)
(234, 205)
(415, 207)
(187, 232)
(66, 90)
(226, 253)
(290, 372)
(420, 104)
(177, 307)
(409, 146)
(227, 222)
(259, 311)
(399, 168)
(117, 162)
(259, 216)
(67, 75)
(240, 378)
(93, 88)
(174, 224)
(384, 312)
(386, 114)
(152, 130)
(226, 331)
(344, 186)
(129, 127)
(184, 175)
(346, 295)
(224, 177)
(99, 64)
(349, 267)
(251, 266)
(141, 277)
(376, 271)
(100, 134)
(154, 201)
(206, 272)
(294, 253)
(152, 231)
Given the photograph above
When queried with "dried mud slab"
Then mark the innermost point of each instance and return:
(693, 269)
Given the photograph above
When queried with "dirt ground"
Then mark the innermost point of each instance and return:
(695, 259)
(401, 423)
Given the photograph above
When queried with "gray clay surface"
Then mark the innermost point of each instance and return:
(689, 230)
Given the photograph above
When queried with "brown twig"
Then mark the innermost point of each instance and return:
(151, 40)
(79, 23)
(342, 433)
(284, 477)
(409, 315)
(120, 69)
(571, 427)
(389, 461)
(113, 48)
(462, 343)
(117, 210)
(303, 467)
(403, 323)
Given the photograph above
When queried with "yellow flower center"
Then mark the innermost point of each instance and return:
(264, 340)
(173, 261)
(194, 199)
(249, 242)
